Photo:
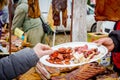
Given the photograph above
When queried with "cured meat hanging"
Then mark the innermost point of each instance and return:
(107, 10)
(57, 6)
(33, 9)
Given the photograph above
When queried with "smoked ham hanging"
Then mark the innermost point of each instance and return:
(107, 10)
(57, 6)
(33, 9)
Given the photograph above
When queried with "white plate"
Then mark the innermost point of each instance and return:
(103, 51)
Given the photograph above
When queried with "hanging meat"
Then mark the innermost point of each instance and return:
(33, 9)
(57, 7)
(107, 10)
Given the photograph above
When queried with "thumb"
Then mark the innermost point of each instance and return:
(47, 52)
(100, 41)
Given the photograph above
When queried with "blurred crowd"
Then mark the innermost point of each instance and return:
(32, 30)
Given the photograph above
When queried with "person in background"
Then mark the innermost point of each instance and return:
(3, 14)
(21, 61)
(32, 27)
(113, 45)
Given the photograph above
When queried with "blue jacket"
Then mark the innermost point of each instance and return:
(17, 63)
(3, 17)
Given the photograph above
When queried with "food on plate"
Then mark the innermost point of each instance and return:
(83, 53)
(70, 55)
(61, 56)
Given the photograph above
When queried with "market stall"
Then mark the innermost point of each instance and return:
(69, 61)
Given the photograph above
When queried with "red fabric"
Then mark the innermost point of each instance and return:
(116, 55)
(116, 59)
(118, 26)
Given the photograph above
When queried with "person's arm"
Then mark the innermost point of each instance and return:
(17, 63)
(5, 15)
(19, 17)
(115, 36)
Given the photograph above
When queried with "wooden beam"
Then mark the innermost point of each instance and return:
(79, 31)
(71, 21)
(10, 23)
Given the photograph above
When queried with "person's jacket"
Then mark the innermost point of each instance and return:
(21, 19)
(17, 63)
(115, 35)
(3, 18)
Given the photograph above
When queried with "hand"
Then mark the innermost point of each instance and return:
(107, 42)
(41, 50)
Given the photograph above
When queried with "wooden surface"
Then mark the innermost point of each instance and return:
(79, 32)
(30, 75)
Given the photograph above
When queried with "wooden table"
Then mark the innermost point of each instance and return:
(30, 75)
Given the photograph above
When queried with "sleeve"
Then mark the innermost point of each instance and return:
(17, 63)
(115, 36)
(5, 15)
(18, 18)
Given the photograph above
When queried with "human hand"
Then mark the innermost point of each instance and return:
(42, 49)
(107, 42)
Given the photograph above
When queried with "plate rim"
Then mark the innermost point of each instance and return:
(72, 65)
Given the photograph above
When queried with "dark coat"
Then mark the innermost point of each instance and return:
(115, 35)
(17, 63)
